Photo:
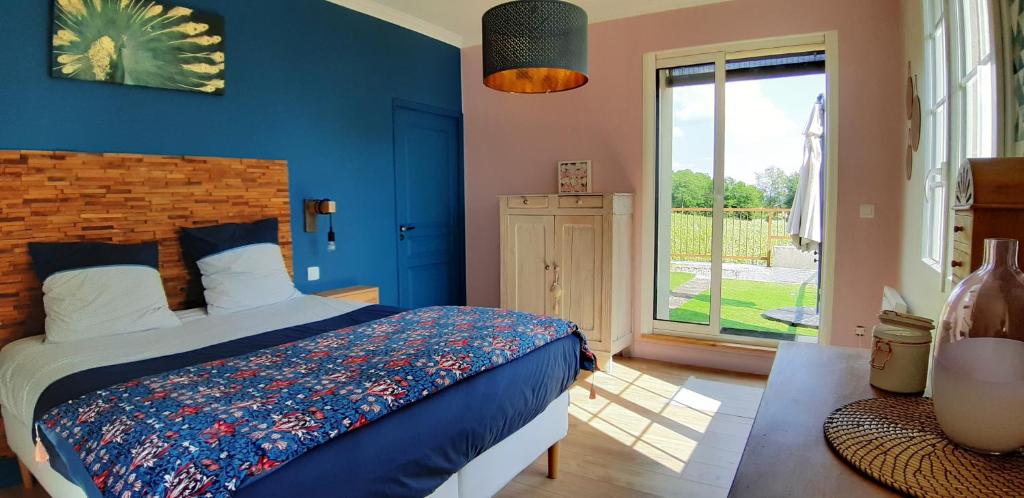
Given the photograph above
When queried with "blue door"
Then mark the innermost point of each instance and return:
(428, 174)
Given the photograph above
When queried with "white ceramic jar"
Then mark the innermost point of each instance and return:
(899, 358)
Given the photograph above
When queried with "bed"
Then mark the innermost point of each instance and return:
(416, 450)
(465, 440)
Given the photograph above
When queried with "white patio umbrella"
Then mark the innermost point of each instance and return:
(805, 217)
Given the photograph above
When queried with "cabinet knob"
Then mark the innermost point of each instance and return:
(579, 200)
(526, 201)
(957, 228)
(547, 267)
(956, 264)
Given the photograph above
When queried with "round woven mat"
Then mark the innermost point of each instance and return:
(898, 442)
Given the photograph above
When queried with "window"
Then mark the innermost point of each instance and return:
(936, 98)
(960, 102)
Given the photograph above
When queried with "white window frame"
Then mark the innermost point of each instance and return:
(648, 195)
(937, 231)
(936, 178)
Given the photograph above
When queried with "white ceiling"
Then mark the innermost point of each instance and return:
(457, 22)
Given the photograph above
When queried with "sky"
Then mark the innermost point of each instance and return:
(764, 125)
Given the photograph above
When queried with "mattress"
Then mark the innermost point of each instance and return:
(28, 366)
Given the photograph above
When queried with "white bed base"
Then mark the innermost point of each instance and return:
(482, 477)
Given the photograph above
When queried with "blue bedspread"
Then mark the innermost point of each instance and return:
(407, 453)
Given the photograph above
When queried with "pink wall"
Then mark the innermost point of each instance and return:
(514, 141)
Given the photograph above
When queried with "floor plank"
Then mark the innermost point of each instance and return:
(655, 430)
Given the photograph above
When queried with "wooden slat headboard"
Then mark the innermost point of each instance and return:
(123, 198)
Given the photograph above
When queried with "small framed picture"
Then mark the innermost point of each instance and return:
(574, 177)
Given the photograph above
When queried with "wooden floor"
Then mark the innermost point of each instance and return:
(655, 429)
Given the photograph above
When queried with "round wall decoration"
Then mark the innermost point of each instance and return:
(910, 92)
(915, 123)
(913, 104)
(910, 161)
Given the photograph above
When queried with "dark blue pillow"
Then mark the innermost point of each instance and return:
(199, 243)
(54, 257)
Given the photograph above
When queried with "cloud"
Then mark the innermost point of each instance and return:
(697, 103)
(758, 132)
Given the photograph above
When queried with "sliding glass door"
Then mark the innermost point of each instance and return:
(691, 97)
(739, 192)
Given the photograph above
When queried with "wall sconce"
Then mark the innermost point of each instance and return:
(319, 207)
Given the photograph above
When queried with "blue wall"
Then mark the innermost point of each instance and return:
(307, 81)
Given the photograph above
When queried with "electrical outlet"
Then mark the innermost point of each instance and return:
(859, 331)
(313, 273)
(867, 211)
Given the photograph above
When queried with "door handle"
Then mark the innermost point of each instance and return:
(406, 228)
(556, 291)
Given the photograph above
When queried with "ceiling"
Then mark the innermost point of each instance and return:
(457, 22)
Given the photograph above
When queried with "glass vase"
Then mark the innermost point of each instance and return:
(978, 363)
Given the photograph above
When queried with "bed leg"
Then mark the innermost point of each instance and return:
(26, 476)
(553, 461)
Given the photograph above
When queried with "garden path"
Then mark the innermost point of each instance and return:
(695, 287)
(738, 271)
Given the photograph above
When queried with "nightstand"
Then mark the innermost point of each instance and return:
(361, 293)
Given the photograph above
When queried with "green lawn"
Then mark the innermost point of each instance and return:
(743, 302)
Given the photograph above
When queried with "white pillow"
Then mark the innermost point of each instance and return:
(94, 302)
(244, 278)
(94, 289)
(241, 264)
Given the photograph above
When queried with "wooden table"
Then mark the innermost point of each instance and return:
(786, 454)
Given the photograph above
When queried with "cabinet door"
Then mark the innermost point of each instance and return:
(578, 270)
(526, 261)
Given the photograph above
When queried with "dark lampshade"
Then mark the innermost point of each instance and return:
(535, 46)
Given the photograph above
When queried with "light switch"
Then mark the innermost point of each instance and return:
(867, 211)
(313, 273)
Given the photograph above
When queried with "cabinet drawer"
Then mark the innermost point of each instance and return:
(961, 264)
(580, 201)
(963, 226)
(527, 201)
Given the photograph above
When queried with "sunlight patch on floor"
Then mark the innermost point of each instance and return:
(654, 430)
(697, 401)
(694, 429)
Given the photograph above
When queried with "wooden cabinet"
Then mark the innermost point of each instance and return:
(570, 256)
(987, 204)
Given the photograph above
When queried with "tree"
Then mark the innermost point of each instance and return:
(692, 190)
(742, 195)
(778, 187)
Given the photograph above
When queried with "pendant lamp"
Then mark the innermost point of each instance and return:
(535, 46)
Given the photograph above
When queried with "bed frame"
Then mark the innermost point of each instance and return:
(482, 477)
